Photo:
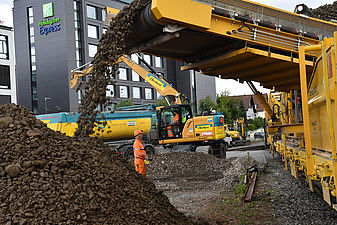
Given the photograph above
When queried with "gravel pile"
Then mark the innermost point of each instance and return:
(326, 12)
(238, 167)
(49, 178)
(110, 47)
(199, 166)
(296, 204)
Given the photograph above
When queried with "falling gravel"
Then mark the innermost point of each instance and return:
(326, 12)
(49, 178)
(111, 46)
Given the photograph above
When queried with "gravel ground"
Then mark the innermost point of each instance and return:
(279, 197)
(296, 204)
(192, 180)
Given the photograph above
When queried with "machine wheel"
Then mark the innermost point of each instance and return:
(223, 150)
(193, 148)
(210, 150)
(129, 154)
(150, 151)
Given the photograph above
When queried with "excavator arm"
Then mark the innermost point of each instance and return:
(262, 100)
(155, 80)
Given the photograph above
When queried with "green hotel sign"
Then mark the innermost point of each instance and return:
(49, 25)
(48, 10)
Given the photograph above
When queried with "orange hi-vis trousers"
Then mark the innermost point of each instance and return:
(140, 166)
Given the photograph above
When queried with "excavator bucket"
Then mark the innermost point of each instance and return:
(110, 13)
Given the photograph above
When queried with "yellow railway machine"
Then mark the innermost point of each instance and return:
(239, 39)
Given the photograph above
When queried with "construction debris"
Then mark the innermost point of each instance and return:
(49, 178)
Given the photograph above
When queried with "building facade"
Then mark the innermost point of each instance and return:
(7, 66)
(54, 37)
(252, 105)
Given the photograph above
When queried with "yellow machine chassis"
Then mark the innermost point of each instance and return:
(317, 163)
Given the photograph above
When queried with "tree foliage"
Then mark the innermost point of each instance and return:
(124, 103)
(256, 123)
(161, 101)
(231, 108)
(206, 104)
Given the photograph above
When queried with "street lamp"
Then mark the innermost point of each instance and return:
(45, 104)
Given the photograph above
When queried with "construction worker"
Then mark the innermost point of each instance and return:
(175, 122)
(139, 153)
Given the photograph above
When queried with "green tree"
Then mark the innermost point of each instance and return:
(161, 101)
(124, 103)
(253, 124)
(206, 104)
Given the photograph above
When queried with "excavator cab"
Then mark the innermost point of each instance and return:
(172, 120)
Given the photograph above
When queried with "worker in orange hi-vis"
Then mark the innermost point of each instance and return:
(139, 153)
(175, 122)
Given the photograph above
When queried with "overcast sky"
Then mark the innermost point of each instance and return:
(232, 86)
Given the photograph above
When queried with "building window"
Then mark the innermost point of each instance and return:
(91, 12)
(104, 30)
(110, 91)
(135, 76)
(31, 30)
(93, 31)
(147, 59)
(32, 50)
(123, 92)
(103, 15)
(4, 47)
(78, 44)
(158, 95)
(135, 58)
(123, 74)
(32, 60)
(92, 50)
(148, 93)
(5, 99)
(5, 77)
(30, 12)
(158, 62)
(136, 92)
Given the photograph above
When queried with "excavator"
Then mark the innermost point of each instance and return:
(157, 123)
(153, 78)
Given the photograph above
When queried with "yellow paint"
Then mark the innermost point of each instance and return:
(155, 82)
(114, 130)
(201, 128)
(188, 131)
(198, 14)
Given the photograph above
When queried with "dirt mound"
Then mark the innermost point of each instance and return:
(326, 12)
(49, 178)
(199, 166)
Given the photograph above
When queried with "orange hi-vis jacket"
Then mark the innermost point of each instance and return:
(169, 128)
(176, 118)
(138, 151)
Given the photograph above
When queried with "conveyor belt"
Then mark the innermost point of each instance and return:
(205, 31)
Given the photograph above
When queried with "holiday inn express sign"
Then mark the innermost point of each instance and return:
(48, 24)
